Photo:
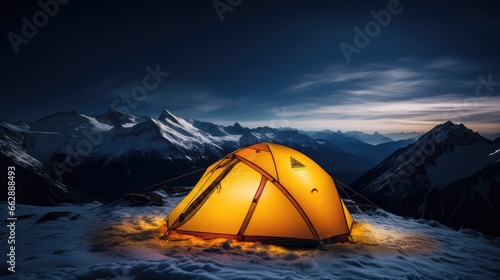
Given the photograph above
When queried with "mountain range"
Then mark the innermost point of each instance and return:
(449, 174)
(110, 154)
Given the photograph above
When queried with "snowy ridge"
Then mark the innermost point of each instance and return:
(69, 122)
(184, 134)
(121, 135)
(34, 185)
(10, 146)
(115, 117)
(21, 127)
(59, 133)
(436, 156)
(427, 179)
(131, 133)
(210, 128)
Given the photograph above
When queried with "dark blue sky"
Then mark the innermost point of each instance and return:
(275, 63)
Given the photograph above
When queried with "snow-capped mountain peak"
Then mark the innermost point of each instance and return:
(68, 122)
(167, 116)
(181, 132)
(115, 117)
(456, 134)
(404, 181)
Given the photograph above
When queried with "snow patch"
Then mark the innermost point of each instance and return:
(18, 128)
(128, 125)
(97, 125)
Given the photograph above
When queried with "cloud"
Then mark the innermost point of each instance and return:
(391, 80)
(446, 63)
(419, 114)
(391, 97)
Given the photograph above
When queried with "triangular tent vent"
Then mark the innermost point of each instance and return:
(295, 163)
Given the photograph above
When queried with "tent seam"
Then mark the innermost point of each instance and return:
(286, 194)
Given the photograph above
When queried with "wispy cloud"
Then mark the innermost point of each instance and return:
(392, 97)
(392, 80)
(418, 114)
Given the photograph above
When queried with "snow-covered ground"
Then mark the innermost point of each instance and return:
(118, 241)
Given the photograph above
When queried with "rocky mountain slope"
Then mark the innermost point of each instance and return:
(33, 185)
(447, 175)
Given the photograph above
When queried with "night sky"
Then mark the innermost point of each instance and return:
(274, 63)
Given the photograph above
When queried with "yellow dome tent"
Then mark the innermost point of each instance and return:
(264, 192)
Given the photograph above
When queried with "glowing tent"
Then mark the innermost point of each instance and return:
(264, 192)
